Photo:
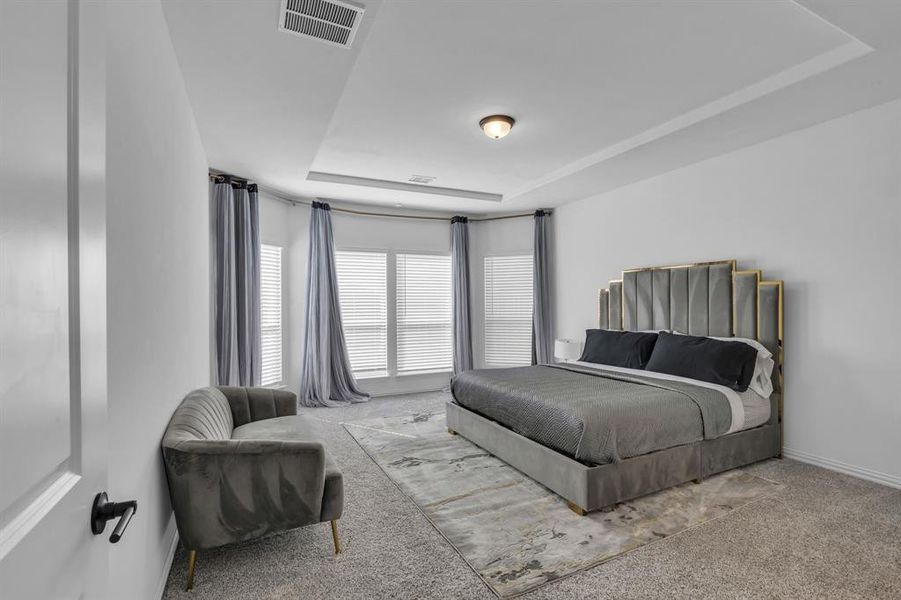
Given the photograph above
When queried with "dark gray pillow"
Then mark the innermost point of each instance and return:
(630, 349)
(725, 363)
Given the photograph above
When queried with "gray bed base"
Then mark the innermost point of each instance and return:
(708, 298)
(588, 488)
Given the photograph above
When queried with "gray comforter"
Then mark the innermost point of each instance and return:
(593, 415)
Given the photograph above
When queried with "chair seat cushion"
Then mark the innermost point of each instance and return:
(298, 428)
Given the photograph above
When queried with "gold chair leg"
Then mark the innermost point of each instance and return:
(192, 562)
(335, 536)
(576, 509)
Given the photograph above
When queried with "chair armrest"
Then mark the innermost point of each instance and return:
(250, 404)
(226, 491)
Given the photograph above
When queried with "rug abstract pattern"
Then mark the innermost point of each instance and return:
(516, 534)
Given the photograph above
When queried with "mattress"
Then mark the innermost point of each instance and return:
(749, 409)
(599, 414)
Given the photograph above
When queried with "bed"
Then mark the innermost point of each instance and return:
(598, 435)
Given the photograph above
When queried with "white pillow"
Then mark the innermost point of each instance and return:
(761, 380)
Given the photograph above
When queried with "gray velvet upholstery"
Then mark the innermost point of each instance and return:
(745, 312)
(661, 299)
(708, 299)
(241, 464)
(255, 404)
(615, 305)
(594, 487)
(698, 294)
(769, 326)
(603, 309)
(678, 299)
(695, 299)
(719, 300)
(298, 429)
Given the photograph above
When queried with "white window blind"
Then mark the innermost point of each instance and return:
(424, 339)
(362, 291)
(508, 311)
(271, 314)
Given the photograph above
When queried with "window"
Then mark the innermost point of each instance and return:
(362, 292)
(424, 339)
(271, 314)
(508, 311)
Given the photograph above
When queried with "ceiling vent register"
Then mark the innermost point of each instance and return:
(330, 21)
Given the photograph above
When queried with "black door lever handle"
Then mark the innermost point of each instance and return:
(104, 510)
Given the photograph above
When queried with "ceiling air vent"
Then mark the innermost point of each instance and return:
(331, 21)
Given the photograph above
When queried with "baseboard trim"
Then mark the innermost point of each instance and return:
(170, 556)
(842, 467)
(428, 390)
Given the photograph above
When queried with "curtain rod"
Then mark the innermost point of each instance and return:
(222, 177)
(367, 213)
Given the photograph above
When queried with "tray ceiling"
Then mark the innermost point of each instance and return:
(603, 94)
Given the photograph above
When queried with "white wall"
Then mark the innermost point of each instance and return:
(280, 221)
(818, 208)
(158, 279)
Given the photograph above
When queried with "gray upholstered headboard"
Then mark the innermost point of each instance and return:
(710, 298)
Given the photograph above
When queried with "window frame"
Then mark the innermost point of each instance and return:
(391, 304)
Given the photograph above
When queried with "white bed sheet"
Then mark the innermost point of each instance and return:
(749, 409)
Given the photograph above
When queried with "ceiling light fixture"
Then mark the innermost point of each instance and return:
(496, 126)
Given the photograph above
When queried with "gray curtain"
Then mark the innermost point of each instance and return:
(460, 292)
(236, 264)
(325, 377)
(542, 312)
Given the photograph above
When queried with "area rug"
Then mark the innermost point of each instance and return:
(515, 533)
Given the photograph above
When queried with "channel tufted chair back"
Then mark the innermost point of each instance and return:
(255, 404)
(204, 414)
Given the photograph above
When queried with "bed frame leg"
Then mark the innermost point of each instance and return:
(576, 509)
(451, 431)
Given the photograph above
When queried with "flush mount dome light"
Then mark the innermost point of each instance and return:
(496, 126)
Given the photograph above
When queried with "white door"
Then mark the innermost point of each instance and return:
(52, 299)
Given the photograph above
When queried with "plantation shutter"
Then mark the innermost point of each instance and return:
(424, 338)
(271, 314)
(508, 311)
(362, 291)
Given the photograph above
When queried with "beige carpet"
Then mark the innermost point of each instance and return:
(823, 535)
